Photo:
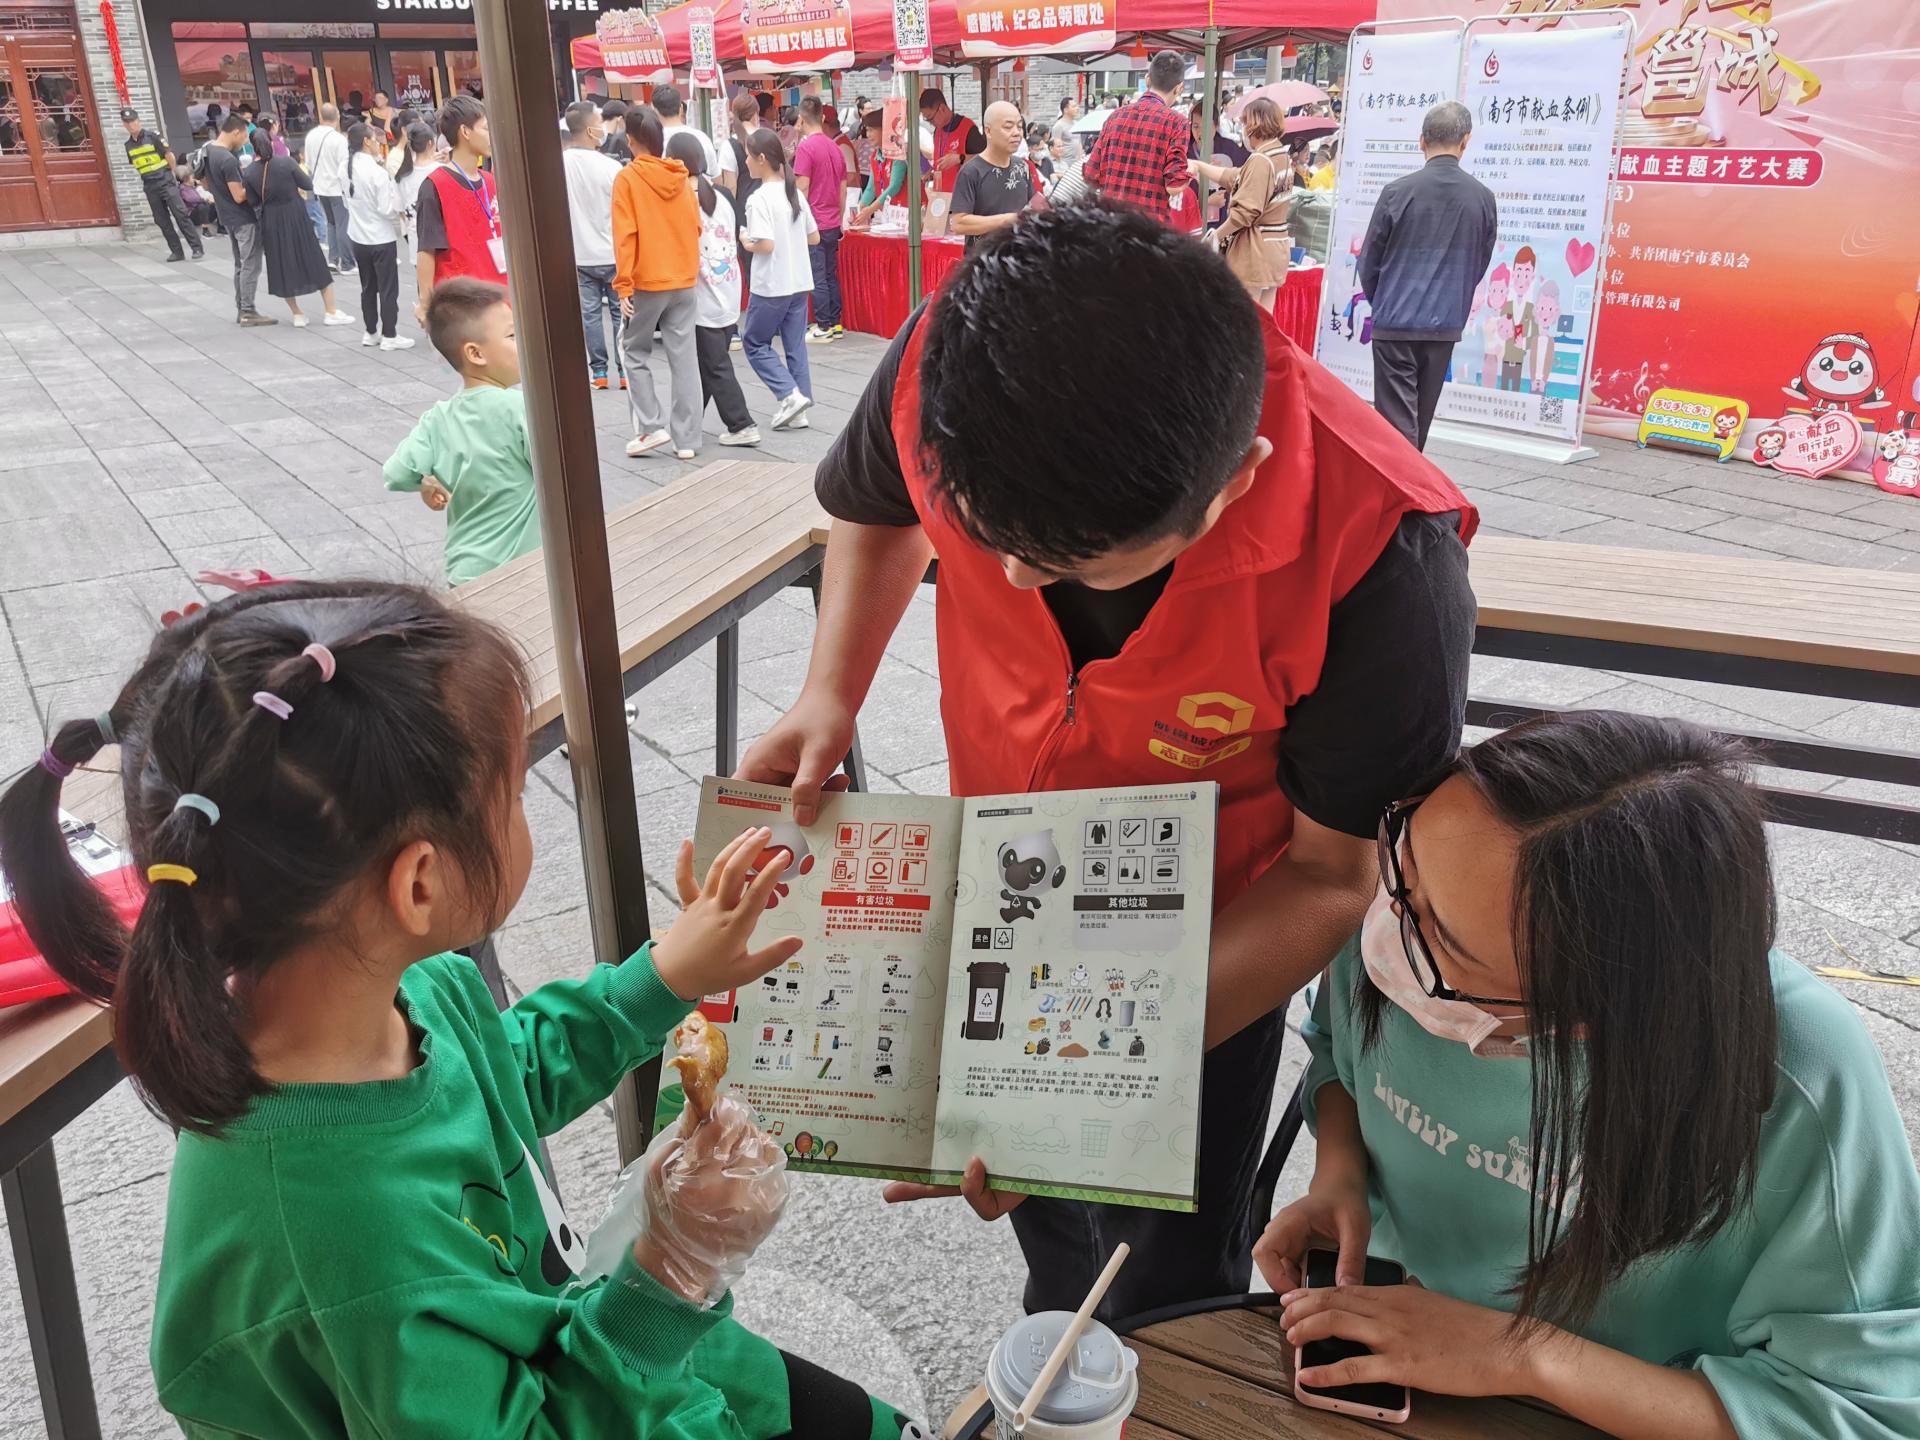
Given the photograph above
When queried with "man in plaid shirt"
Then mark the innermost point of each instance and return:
(1141, 155)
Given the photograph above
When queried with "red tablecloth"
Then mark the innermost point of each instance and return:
(1296, 309)
(873, 277)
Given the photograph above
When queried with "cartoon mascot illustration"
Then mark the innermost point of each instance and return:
(1840, 374)
(1027, 864)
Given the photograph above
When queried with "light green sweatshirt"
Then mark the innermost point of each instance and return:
(385, 1259)
(475, 444)
(1803, 1313)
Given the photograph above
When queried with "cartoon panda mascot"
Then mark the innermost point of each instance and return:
(1028, 864)
(1840, 374)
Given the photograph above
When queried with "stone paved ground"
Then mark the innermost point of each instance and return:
(143, 438)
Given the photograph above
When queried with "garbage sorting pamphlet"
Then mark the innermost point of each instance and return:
(1018, 977)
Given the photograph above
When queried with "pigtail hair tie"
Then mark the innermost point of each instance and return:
(189, 801)
(181, 874)
(105, 721)
(54, 765)
(323, 657)
(273, 704)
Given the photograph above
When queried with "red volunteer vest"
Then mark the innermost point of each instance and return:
(1201, 690)
(472, 219)
(947, 143)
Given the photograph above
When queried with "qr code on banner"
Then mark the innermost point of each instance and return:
(1553, 410)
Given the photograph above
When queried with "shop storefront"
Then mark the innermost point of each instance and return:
(53, 162)
(291, 56)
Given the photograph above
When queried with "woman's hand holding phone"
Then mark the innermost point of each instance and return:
(1419, 1338)
(1333, 1215)
(706, 951)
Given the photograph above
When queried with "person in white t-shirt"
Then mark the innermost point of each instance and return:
(779, 228)
(373, 228)
(422, 158)
(717, 295)
(671, 106)
(590, 176)
(325, 156)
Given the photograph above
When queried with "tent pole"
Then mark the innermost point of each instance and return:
(912, 187)
(1209, 112)
(518, 69)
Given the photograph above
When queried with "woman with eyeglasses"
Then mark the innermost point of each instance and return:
(1643, 1166)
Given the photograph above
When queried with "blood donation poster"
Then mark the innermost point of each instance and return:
(1765, 236)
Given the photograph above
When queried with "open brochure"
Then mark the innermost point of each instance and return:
(1018, 977)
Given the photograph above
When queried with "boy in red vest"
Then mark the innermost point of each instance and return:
(457, 216)
(1202, 559)
(955, 138)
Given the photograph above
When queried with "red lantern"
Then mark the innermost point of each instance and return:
(1289, 51)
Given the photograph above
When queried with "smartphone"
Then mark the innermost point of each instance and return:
(1370, 1402)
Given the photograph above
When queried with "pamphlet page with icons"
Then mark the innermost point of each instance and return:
(1022, 978)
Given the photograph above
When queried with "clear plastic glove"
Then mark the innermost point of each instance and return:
(693, 1209)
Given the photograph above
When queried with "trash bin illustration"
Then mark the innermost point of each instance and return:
(986, 994)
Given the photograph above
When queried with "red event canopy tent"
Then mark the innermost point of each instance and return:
(1178, 24)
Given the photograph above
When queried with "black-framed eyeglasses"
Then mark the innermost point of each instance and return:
(1426, 972)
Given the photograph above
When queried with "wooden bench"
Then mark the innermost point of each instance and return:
(1766, 624)
(688, 561)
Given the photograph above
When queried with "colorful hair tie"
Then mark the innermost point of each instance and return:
(105, 721)
(157, 873)
(273, 704)
(54, 765)
(322, 657)
(189, 801)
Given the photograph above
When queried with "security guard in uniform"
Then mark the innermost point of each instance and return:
(152, 159)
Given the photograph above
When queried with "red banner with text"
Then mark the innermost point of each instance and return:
(989, 28)
(632, 49)
(779, 36)
(1765, 241)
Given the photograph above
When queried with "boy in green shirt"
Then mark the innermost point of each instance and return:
(468, 455)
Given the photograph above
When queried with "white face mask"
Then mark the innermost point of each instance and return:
(1386, 960)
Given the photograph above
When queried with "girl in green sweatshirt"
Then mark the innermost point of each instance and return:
(323, 788)
(1644, 1167)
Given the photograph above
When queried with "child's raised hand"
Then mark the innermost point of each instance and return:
(706, 951)
(433, 493)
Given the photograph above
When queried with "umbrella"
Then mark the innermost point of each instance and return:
(1310, 127)
(1092, 121)
(1284, 93)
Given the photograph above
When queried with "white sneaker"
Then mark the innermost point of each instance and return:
(800, 422)
(685, 454)
(338, 317)
(747, 435)
(397, 342)
(652, 440)
(370, 338)
(734, 344)
(299, 322)
(819, 335)
(788, 408)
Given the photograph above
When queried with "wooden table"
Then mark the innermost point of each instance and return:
(1221, 1370)
(56, 1059)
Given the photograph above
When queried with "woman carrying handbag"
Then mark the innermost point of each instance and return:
(1254, 237)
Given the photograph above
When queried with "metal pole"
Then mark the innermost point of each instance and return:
(566, 472)
(1209, 112)
(912, 188)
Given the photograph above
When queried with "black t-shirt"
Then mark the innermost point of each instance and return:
(983, 188)
(429, 222)
(1386, 714)
(618, 147)
(223, 166)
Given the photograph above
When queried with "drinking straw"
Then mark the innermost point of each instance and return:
(1071, 1338)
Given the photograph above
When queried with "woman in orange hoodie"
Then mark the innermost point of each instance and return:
(656, 256)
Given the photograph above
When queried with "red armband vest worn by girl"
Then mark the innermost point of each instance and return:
(1201, 690)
